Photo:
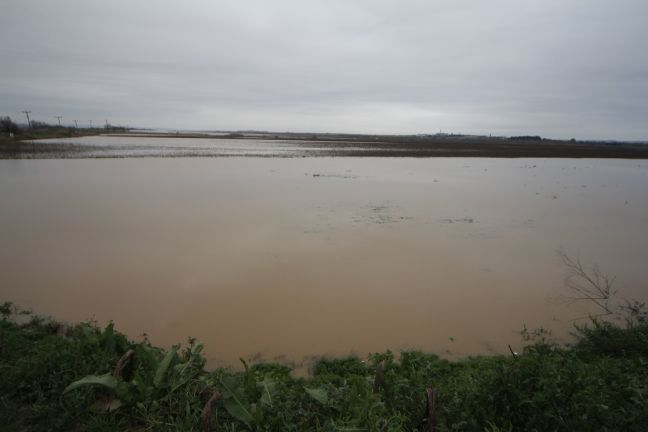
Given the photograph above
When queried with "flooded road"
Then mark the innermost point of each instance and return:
(289, 258)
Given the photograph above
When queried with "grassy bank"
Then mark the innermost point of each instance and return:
(49, 131)
(86, 378)
(23, 144)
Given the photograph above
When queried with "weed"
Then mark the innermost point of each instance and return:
(84, 377)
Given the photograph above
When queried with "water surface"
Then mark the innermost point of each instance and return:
(289, 258)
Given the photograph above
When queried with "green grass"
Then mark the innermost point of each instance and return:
(85, 378)
(48, 131)
(25, 144)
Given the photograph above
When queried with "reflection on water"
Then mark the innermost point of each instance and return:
(298, 257)
(116, 146)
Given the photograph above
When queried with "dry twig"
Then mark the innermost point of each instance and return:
(589, 285)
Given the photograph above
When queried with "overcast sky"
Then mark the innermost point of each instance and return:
(557, 68)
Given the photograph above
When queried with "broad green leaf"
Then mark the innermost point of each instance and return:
(89, 333)
(319, 394)
(184, 369)
(267, 391)
(146, 356)
(118, 387)
(196, 348)
(106, 380)
(108, 337)
(163, 367)
(234, 401)
(183, 373)
(230, 384)
(141, 387)
(237, 410)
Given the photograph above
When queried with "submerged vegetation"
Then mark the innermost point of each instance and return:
(84, 377)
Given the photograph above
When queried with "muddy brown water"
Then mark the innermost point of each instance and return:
(291, 258)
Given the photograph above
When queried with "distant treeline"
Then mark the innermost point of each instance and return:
(7, 126)
(527, 138)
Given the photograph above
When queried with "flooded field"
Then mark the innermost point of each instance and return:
(102, 146)
(287, 258)
(307, 145)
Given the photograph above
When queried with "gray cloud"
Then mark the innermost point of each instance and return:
(548, 67)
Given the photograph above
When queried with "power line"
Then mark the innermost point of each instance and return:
(59, 119)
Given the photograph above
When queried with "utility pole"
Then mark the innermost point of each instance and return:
(76, 124)
(90, 123)
(106, 123)
(59, 119)
(28, 121)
